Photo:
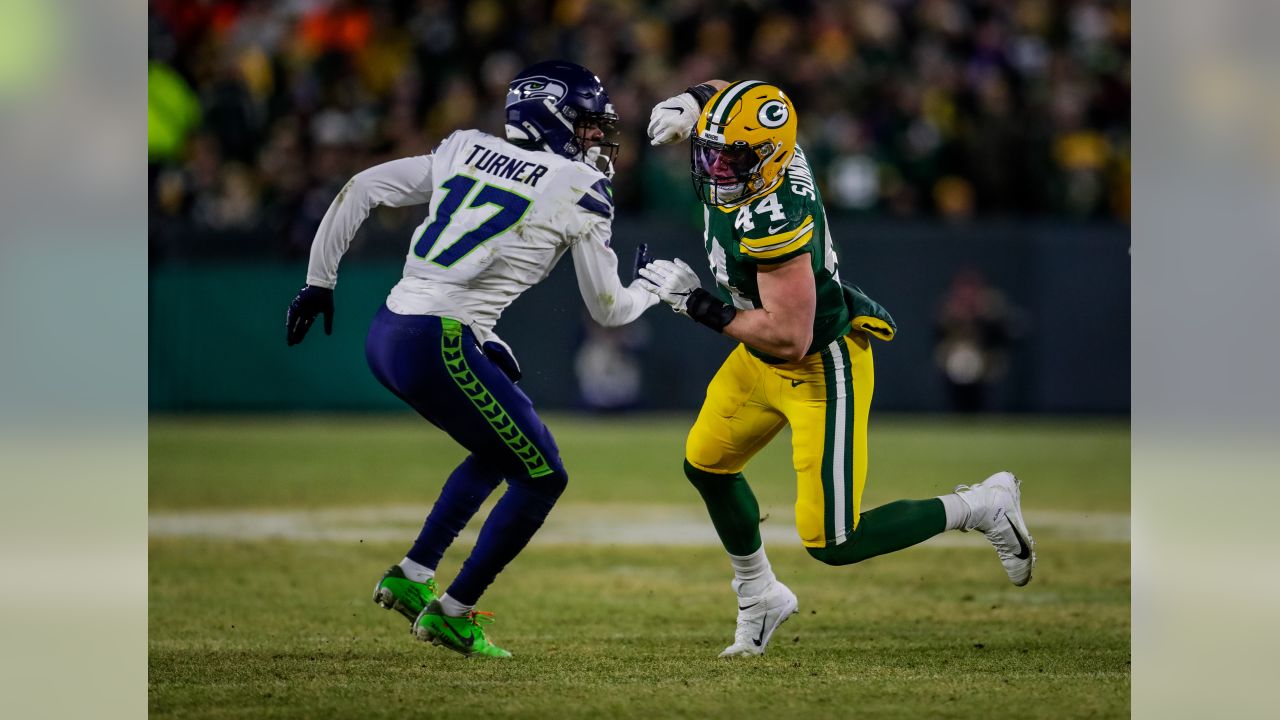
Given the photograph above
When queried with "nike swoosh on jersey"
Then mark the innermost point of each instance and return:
(778, 243)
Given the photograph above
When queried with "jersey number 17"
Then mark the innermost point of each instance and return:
(511, 208)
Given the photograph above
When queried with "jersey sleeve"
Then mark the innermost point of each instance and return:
(598, 199)
(577, 199)
(771, 241)
(398, 183)
(596, 265)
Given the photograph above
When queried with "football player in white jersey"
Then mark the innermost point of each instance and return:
(503, 212)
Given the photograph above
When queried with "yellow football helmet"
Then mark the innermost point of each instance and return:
(742, 143)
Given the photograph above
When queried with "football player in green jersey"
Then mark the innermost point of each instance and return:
(804, 360)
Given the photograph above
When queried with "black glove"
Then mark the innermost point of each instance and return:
(310, 302)
(642, 258)
(501, 356)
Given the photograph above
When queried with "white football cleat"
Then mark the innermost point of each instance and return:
(996, 510)
(758, 617)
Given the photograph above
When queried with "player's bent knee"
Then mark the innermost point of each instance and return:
(698, 476)
(549, 486)
(555, 483)
(706, 454)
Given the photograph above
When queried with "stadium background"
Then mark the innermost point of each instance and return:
(973, 157)
(953, 141)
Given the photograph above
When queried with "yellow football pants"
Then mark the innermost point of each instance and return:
(826, 397)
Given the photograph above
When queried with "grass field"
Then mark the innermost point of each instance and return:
(270, 622)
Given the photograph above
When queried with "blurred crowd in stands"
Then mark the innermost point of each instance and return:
(259, 110)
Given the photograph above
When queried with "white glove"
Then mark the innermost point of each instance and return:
(670, 281)
(673, 119)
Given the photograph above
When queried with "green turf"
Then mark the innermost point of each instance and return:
(256, 630)
(353, 460)
(287, 629)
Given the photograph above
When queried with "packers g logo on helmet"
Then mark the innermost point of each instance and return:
(742, 144)
(773, 114)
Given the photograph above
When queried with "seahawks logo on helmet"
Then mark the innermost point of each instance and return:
(773, 114)
(538, 86)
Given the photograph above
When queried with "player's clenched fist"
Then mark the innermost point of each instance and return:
(671, 281)
(672, 119)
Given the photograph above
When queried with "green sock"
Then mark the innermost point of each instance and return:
(733, 508)
(886, 529)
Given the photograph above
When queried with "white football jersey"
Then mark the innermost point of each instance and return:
(501, 217)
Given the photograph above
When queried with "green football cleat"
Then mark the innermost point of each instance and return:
(397, 592)
(459, 634)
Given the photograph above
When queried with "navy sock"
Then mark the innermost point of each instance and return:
(510, 526)
(470, 484)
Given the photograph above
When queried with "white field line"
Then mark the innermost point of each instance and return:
(569, 524)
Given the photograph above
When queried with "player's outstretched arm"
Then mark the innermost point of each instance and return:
(397, 183)
(672, 120)
(783, 327)
(596, 265)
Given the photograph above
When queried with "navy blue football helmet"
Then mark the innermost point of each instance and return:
(552, 105)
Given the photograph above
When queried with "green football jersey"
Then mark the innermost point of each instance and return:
(786, 223)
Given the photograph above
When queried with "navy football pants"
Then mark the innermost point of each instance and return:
(435, 366)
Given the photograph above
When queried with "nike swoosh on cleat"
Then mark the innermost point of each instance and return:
(763, 624)
(1024, 552)
(468, 640)
(748, 607)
